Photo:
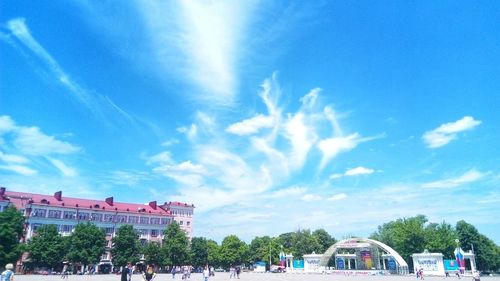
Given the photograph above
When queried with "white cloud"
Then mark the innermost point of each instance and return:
(311, 197)
(6, 124)
(448, 132)
(11, 158)
(100, 106)
(333, 146)
(164, 157)
(65, 170)
(287, 192)
(359, 171)
(204, 41)
(468, 177)
(337, 197)
(31, 141)
(23, 170)
(251, 126)
(170, 142)
(335, 176)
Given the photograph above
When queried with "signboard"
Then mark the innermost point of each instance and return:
(391, 264)
(340, 263)
(450, 265)
(298, 264)
(366, 257)
(427, 264)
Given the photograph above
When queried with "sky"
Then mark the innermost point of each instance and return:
(268, 116)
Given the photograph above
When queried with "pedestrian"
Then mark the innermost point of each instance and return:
(232, 272)
(130, 271)
(238, 270)
(206, 273)
(8, 274)
(124, 274)
(149, 274)
(64, 272)
(421, 273)
(476, 276)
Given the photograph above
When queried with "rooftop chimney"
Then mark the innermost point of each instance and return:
(58, 195)
(152, 204)
(2, 191)
(109, 200)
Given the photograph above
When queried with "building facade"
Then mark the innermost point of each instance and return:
(150, 220)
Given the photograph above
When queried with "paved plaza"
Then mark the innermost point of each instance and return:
(250, 276)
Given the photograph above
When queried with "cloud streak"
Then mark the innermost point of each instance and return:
(448, 132)
(467, 178)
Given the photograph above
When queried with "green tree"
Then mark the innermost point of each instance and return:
(153, 253)
(487, 252)
(441, 239)
(407, 236)
(87, 244)
(259, 249)
(324, 239)
(233, 251)
(125, 246)
(11, 231)
(46, 249)
(214, 257)
(199, 251)
(175, 246)
(304, 243)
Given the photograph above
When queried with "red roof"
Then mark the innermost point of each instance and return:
(20, 199)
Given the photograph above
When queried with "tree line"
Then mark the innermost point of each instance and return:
(87, 243)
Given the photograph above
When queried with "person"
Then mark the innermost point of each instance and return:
(457, 274)
(174, 270)
(238, 270)
(206, 273)
(232, 272)
(475, 276)
(421, 273)
(149, 274)
(8, 274)
(130, 271)
(64, 272)
(124, 275)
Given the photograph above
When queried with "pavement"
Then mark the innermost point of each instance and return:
(250, 276)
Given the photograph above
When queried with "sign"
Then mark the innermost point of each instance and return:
(298, 264)
(450, 265)
(391, 264)
(427, 264)
(340, 263)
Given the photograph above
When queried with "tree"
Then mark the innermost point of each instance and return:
(87, 244)
(304, 243)
(406, 236)
(487, 252)
(199, 251)
(11, 231)
(441, 239)
(46, 249)
(214, 257)
(153, 253)
(175, 246)
(259, 249)
(125, 246)
(324, 239)
(233, 251)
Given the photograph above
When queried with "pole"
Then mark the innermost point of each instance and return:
(269, 256)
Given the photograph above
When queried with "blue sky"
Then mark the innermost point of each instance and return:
(269, 116)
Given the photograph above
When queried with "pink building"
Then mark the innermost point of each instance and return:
(66, 212)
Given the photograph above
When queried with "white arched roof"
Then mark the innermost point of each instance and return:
(341, 244)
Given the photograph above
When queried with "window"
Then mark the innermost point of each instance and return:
(121, 219)
(96, 217)
(39, 213)
(35, 226)
(109, 218)
(133, 219)
(83, 216)
(181, 223)
(66, 228)
(165, 221)
(55, 214)
(143, 232)
(154, 232)
(155, 221)
(69, 215)
(144, 220)
(109, 230)
(188, 223)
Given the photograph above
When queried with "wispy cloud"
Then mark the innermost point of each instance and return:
(101, 106)
(311, 197)
(203, 39)
(65, 169)
(359, 171)
(448, 132)
(468, 177)
(337, 197)
(20, 169)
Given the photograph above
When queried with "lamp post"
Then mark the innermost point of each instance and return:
(269, 255)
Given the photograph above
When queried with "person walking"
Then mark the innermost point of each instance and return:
(125, 272)
(64, 272)
(238, 271)
(8, 274)
(206, 273)
(149, 274)
(130, 271)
